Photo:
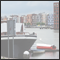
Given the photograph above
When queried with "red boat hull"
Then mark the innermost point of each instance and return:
(45, 47)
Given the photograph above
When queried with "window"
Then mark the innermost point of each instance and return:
(54, 4)
(57, 21)
(55, 25)
(33, 17)
(54, 15)
(57, 15)
(57, 18)
(57, 4)
(57, 12)
(54, 9)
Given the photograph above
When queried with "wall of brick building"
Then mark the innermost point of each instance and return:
(29, 19)
(21, 19)
(34, 19)
(56, 15)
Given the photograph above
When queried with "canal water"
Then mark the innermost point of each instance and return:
(47, 36)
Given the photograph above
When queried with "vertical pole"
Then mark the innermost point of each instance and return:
(8, 45)
(8, 36)
(13, 39)
(13, 46)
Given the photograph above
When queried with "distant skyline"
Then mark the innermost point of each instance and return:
(26, 7)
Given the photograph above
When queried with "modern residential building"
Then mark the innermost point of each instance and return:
(50, 20)
(4, 18)
(14, 17)
(29, 19)
(21, 19)
(47, 19)
(34, 19)
(25, 19)
(44, 17)
(39, 17)
(56, 15)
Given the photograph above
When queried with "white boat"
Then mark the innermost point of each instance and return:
(38, 51)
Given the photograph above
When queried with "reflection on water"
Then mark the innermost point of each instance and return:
(48, 36)
(56, 31)
(46, 55)
(37, 54)
(50, 54)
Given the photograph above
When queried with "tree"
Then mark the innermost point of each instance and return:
(42, 23)
(24, 23)
(28, 24)
(38, 23)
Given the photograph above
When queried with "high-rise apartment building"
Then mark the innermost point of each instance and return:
(50, 20)
(56, 15)
(32, 19)
(44, 18)
(14, 17)
(29, 19)
(39, 17)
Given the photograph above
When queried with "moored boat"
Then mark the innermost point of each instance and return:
(46, 46)
(37, 50)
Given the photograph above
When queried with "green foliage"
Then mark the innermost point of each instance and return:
(40, 23)
(28, 23)
(24, 23)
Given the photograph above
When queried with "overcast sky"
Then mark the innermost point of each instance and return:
(26, 7)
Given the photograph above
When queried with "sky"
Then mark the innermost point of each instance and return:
(26, 7)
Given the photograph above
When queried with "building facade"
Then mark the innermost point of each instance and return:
(50, 20)
(40, 17)
(29, 19)
(4, 18)
(46, 22)
(34, 19)
(44, 18)
(14, 17)
(56, 15)
(21, 19)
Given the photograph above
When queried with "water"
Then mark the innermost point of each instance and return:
(48, 36)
